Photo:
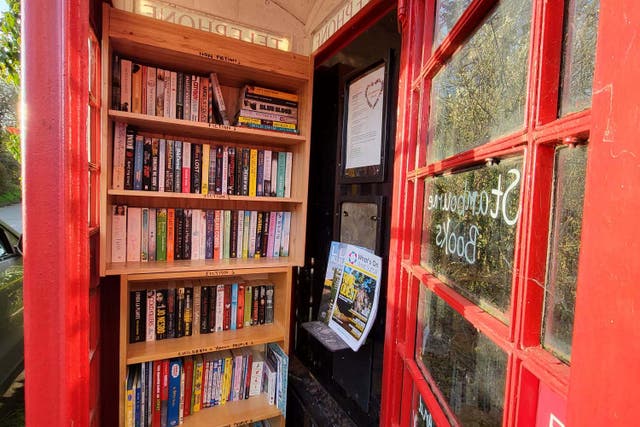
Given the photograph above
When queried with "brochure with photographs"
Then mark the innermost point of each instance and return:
(357, 291)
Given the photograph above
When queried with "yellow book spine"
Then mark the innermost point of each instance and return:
(206, 153)
(253, 170)
(197, 385)
(273, 93)
(129, 408)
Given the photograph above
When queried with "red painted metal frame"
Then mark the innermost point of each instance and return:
(605, 366)
(56, 262)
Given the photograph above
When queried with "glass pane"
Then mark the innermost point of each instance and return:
(469, 230)
(564, 247)
(480, 94)
(447, 14)
(579, 52)
(420, 413)
(467, 367)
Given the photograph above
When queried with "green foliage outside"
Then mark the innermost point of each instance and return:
(10, 152)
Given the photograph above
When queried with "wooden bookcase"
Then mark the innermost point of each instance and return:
(174, 47)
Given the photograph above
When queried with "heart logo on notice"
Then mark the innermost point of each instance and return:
(373, 92)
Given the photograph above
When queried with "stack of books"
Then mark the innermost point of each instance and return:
(269, 109)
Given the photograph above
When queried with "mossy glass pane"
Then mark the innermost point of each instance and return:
(447, 14)
(469, 229)
(480, 94)
(564, 247)
(579, 53)
(466, 366)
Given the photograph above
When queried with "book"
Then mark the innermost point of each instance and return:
(252, 90)
(146, 163)
(203, 108)
(173, 95)
(248, 304)
(218, 181)
(287, 174)
(281, 175)
(166, 112)
(129, 417)
(277, 239)
(188, 375)
(274, 173)
(150, 99)
(161, 235)
(253, 170)
(265, 234)
(218, 99)
(118, 233)
(268, 310)
(169, 173)
(115, 83)
(138, 162)
(186, 115)
(157, 393)
(195, 98)
(245, 234)
(171, 311)
(153, 216)
(206, 149)
(258, 236)
(188, 311)
(171, 223)
(144, 235)
(262, 304)
(186, 242)
(282, 365)
(213, 307)
(231, 170)
(225, 234)
(220, 307)
(196, 170)
(151, 315)
(160, 92)
(240, 233)
(179, 102)
(260, 174)
(209, 237)
(233, 313)
(267, 173)
(162, 161)
(186, 167)
(225, 169)
(177, 162)
(246, 161)
(125, 85)
(240, 306)
(252, 234)
(134, 223)
(197, 384)
(129, 158)
(257, 370)
(119, 153)
(286, 228)
(266, 115)
(173, 409)
(161, 314)
(137, 316)
(204, 309)
(179, 310)
(226, 319)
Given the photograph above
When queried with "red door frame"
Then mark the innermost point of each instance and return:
(56, 262)
(606, 342)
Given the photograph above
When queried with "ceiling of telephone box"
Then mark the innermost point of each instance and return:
(294, 20)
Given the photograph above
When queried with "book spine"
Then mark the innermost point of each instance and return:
(178, 238)
(274, 173)
(186, 242)
(255, 305)
(146, 163)
(281, 177)
(171, 224)
(212, 170)
(262, 304)
(210, 226)
(252, 125)
(143, 89)
(134, 224)
(234, 307)
(253, 170)
(179, 310)
(252, 234)
(197, 385)
(268, 310)
(179, 95)
(225, 169)
(196, 170)
(151, 315)
(125, 85)
(272, 233)
(161, 314)
(245, 234)
(138, 162)
(195, 98)
(231, 170)
(272, 93)
(267, 173)
(173, 410)
(257, 371)
(213, 113)
(263, 115)
(129, 158)
(233, 236)
(220, 303)
(216, 234)
(248, 305)
(137, 316)
(153, 227)
(249, 104)
(171, 311)
(161, 235)
(144, 236)
(260, 174)
(219, 158)
(156, 411)
(151, 84)
(246, 165)
(118, 233)
(167, 96)
(119, 153)
(225, 232)
(155, 164)
(219, 99)
(115, 83)
(204, 309)
(239, 233)
(188, 385)
(186, 167)
(195, 234)
(188, 311)
(237, 181)
(276, 125)
(169, 166)
(213, 298)
(173, 97)
(187, 97)
(206, 149)
(240, 311)
(203, 107)
(258, 236)
(287, 174)
(160, 83)
(162, 162)
(265, 234)
(177, 171)
(286, 228)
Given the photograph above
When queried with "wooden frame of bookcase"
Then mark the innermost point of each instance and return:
(181, 48)
(177, 47)
(233, 413)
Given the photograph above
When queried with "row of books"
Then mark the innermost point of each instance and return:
(154, 91)
(210, 306)
(164, 165)
(264, 108)
(159, 234)
(163, 392)
(158, 92)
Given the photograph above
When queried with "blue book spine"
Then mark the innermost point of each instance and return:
(137, 162)
(209, 236)
(282, 164)
(173, 409)
(234, 306)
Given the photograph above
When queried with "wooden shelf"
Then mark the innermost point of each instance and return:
(203, 343)
(254, 409)
(221, 267)
(181, 196)
(177, 128)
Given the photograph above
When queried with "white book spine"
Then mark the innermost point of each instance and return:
(287, 174)
(195, 234)
(118, 233)
(222, 234)
(240, 232)
(195, 98)
(119, 148)
(219, 308)
(174, 93)
(257, 370)
(151, 315)
(125, 85)
(151, 91)
(160, 83)
(267, 172)
(182, 402)
(134, 221)
(162, 163)
(144, 235)
(167, 96)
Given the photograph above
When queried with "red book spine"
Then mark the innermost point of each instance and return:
(188, 384)
(227, 307)
(240, 312)
(157, 393)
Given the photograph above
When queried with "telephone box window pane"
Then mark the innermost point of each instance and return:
(579, 52)
(480, 94)
(564, 247)
(467, 367)
(447, 14)
(420, 415)
(469, 230)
